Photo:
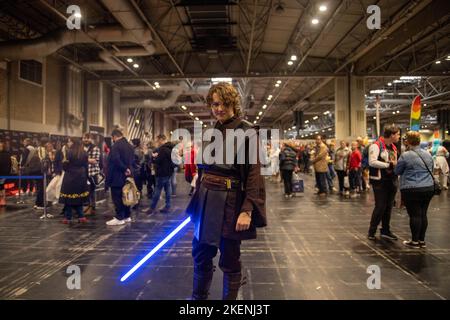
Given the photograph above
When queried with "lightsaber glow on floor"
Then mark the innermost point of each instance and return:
(155, 249)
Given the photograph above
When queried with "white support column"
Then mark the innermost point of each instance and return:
(350, 109)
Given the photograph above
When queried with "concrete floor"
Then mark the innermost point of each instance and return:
(312, 249)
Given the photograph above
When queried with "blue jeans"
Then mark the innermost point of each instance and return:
(321, 180)
(162, 182)
(173, 181)
(68, 211)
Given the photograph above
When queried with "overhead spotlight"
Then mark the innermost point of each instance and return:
(257, 118)
(317, 132)
(293, 127)
(264, 106)
(191, 114)
(326, 112)
(398, 111)
(438, 62)
(290, 62)
(323, 8)
(315, 118)
(448, 58)
(329, 129)
(129, 60)
(374, 118)
(285, 131)
(204, 126)
(389, 84)
(269, 97)
(77, 15)
(135, 65)
(315, 21)
(260, 113)
(279, 81)
(196, 118)
(183, 107)
(393, 112)
(201, 122)
(277, 85)
(306, 121)
(424, 104)
(254, 122)
(294, 57)
(157, 84)
(137, 121)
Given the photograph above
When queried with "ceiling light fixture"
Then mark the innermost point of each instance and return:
(264, 106)
(438, 62)
(389, 84)
(277, 85)
(191, 114)
(129, 60)
(315, 21)
(315, 118)
(290, 62)
(196, 118)
(323, 8)
(183, 107)
(260, 113)
(135, 65)
(293, 58)
(279, 81)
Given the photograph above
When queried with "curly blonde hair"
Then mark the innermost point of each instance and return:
(227, 94)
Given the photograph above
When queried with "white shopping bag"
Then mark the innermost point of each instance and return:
(54, 188)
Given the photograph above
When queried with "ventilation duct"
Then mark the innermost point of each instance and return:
(52, 42)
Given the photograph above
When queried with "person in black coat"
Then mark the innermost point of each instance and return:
(5, 170)
(120, 165)
(288, 163)
(164, 168)
(74, 188)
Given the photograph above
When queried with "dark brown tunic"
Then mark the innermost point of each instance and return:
(249, 196)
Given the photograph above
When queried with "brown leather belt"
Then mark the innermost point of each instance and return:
(228, 183)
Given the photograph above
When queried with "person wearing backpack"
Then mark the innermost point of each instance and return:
(120, 166)
(382, 161)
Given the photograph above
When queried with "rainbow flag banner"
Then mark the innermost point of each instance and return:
(415, 114)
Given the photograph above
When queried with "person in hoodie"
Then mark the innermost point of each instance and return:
(164, 168)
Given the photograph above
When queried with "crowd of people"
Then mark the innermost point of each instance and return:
(386, 165)
(78, 167)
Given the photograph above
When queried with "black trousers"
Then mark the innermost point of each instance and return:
(416, 204)
(384, 192)
(40, 189)
(287, 179)
(230, 254)
(341, 175)
(122, 211)
(92, 188)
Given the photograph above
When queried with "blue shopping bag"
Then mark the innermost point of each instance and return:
(297, 184)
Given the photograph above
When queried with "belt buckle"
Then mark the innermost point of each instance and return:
(228, 182)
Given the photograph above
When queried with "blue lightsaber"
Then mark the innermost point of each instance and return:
(155, 249)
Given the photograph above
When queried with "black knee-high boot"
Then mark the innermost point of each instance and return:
(231, 284)
(202, 283)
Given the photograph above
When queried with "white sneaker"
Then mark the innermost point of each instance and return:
(115, 222)
(128, 220)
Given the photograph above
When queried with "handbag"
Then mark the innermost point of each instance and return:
(297, 184)
(437, 186)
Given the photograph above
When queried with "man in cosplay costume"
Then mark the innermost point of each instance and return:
(228, 204)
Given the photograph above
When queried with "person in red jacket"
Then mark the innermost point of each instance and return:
(190, 168)
(354, 166)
